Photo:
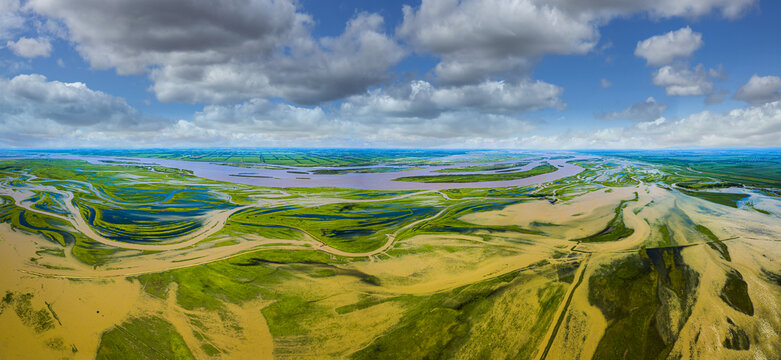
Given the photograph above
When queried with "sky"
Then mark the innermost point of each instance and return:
(521, 74)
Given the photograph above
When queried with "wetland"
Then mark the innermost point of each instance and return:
(388, 255)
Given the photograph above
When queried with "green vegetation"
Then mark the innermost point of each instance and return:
(449, 223)
(358, 170)
(761, 168)
(708, 185)
(348, 194)
(168, 170)
(490, 167)
(539, 170)
(507, 192)
(615, 229)
(158, 206)
(39, 320)
(449, 323)
(727, 199)
(353, 227)
(440, 296)
(626, 291)
(735, 293)
(736, 338)
(714, 242)
(148, 337)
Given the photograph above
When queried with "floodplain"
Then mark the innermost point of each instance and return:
(122, 255)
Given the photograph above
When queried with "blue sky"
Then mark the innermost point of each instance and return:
(441, 73)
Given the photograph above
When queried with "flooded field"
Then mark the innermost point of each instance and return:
(593, 257)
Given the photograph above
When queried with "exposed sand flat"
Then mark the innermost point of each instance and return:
(88, 307)
(703, 334)
(429, 272)
(85, 308)
(580, 217)
(584, 323)
(631, 220)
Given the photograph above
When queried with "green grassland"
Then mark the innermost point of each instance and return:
(727, 199)
(491, 167)
(748, 167)
(358, 170)
(489, 193)
(539, 170)
(148, 337)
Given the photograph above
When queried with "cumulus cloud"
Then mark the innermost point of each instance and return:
(242, 49)
(759, 90)
(33, 107)
(758, 126)
(405, 115)
(681, 81)
(648, 110)
(476, 39)
(133, 35)
(11, 18)
(730, 9)
(310, 71)
(451, 128)
(663, 49)
(269, 118)
(421, 99)
(30, 48)
(263, 76)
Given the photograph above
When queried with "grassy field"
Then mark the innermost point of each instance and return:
(482, 167)
(539, 170)
(760, 168)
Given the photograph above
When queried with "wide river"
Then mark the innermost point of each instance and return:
(292, 176)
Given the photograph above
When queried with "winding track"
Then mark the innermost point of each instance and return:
(214, 223)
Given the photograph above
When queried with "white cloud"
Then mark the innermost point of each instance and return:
(663, 49)
(253, 51)
(759, 90)
(679, 81)
(480, 39)
(133, 35)
(758, 126)
(648, 110)
(242, 49)
(605, 83)
(754, 126)
(11, 19)
(312, 70)
(33, 108)
(30, 48)
(277, 120)
(730, 9)
(421, 99)
(476, 39)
